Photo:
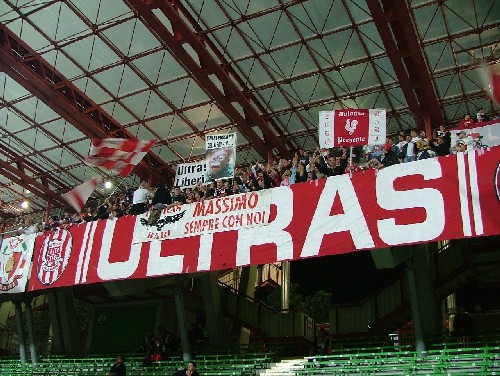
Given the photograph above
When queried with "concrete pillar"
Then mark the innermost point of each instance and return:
(285, 285)
(66, 331)
(217, 329)
(183, 329)
(73, 342)
(246, 287)
(20, 333)
(423, 303)
(415, 313)
(31, 332)
(57, 342)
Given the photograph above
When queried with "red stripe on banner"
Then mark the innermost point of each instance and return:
(417, 202)
(79, 200)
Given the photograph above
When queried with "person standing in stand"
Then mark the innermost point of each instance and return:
(118, 369)
(189, 371)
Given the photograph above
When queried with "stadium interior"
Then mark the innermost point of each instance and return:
(177, 71)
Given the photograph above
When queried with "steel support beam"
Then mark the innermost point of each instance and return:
(207, 66)
(395, 26)
(29, 183)
(31, 71)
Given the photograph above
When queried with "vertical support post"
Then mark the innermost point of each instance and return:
(20, 332)
(246, 287)
(415, 314)
(218, 333)
(270, 157)
(428, 126)
(285, 285)
(31, 332)
(423, 304)
(57, 342)
(47, 210)
(181, 320)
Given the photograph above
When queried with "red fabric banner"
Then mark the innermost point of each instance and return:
(351, 127)
(434, 199)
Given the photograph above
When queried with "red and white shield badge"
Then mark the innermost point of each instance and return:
(54, 256)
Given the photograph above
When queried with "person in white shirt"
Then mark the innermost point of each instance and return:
(140, 199)
(466, 140)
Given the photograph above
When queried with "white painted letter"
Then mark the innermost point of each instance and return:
(116, 270)
(428, 198)
(282, 197)
(352, 220)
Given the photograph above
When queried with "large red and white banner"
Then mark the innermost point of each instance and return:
(351, 127)
(216, 215)
(15, 262)
(434, 199)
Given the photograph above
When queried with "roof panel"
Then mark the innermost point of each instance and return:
(91, 53)
(94, 91)
(359, 10)
(273, 98)
(112, 10)
(184, 93)
(141, 133)
(159, 67)
(119, 113)
(162, 126)
(10, 90)
(185, 147)
(31, 36)
(62, 64)
(430, 22)
(371, 38)
(165, 153)
(253, 72)
(206, 117)
(137, 103)
(304, 21)
(212, 15)
(61, 130)
(12, 121)
(460, 15)
(232, 43)
(440, 56)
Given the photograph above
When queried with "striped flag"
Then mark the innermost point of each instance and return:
(79, 195)
(118, 155)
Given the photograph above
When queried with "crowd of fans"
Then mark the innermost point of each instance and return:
(304, 166)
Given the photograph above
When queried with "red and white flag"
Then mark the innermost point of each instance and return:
(351, 127)
(118, 155)
(493, 77)
(79, 195)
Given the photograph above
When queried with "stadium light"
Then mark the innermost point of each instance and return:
(108, 184)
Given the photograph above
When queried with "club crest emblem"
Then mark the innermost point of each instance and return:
(54, 256)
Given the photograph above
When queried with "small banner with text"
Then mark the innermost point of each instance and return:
(351, 127)
(220, 156)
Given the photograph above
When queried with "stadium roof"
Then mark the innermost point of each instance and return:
(176, 70)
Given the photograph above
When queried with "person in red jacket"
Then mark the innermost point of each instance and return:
(466, 122)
